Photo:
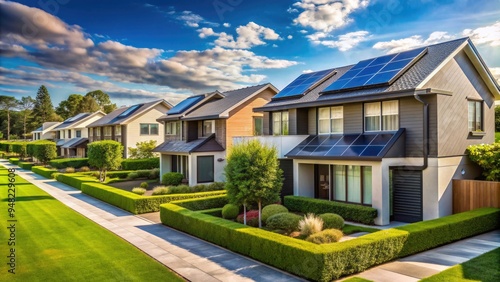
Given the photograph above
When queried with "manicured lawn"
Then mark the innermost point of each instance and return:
(55, 243)
(482, 268)
(497, 136)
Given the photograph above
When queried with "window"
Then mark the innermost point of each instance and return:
(172, 128)
(98, 131)
(331, 120)
(149, 128)
(208, 127)
(108, 130)
(280, 123)
(63, 134)
(180, 164)
(205, 169)
(475, 116)
(69, 133)
(382, 116)
(118, 130)
(352, 184)
(78, 133)
(258, 126)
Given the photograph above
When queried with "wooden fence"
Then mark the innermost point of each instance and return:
(473, 194)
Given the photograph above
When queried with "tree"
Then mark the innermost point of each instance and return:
(70, 107)
(88, 105)
(487, 156)
(43, 110)
(253, 175)
(497, 118)
(8, 103)
(143, 150)
(102, 100)
(105, 155)
(26, 106)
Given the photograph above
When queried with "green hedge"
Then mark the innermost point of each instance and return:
(123, 174)
(25, 165)
(213, 212)
(134, 203)
(350, 212)
(14, 160)
(204, 204)
(75, 180)
(70, 162)
(136, 164)
(43, 171)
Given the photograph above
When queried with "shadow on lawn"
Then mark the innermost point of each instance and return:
(100, 204)
(30, 198)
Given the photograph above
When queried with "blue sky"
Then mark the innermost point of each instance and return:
(144, 50)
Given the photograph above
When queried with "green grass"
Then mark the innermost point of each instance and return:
(497, 136)
(482, 268)
(55, 243)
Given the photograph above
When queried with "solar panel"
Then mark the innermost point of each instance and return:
(302, 83)
(377, 71)
(129, 111)
(75, 118)
(184, 105)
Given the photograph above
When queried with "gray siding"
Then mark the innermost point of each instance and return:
(433, 125)
(312, 123)
(292, 122)
(411, 118)
(353, 118)
(302, 121)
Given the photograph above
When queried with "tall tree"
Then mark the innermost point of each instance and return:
(70, 107)
(102, 99)
(8, 103)
(43, 109)
(26, 106)
(88, 105)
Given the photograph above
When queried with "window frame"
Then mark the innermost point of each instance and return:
(283, 125)
(172, 128)
(330, 119)
(381, 125)
(474, 128)
(254, 123)
(78, 133)
(346, 184)
(198, 176)
(211, 122)
(149, 126)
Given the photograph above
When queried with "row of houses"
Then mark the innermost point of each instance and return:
(389, 132)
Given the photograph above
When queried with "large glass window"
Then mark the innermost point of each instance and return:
(331, 120)
(108, 130)
(339, 183)
(172, 127)
(372, 116)
(367, 185)
(118, 130)
(78, 133)
(475, 115)
(382, 116)
(280, 123)
(205, 169)
(149, 128)
(352, 184)
(208, 127)
(258, 126)
(390, 115)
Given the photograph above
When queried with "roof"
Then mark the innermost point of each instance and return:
(114, 118)
(74, 142)
(207, 144)
(70, 122)
(46, 126)
(408, 81)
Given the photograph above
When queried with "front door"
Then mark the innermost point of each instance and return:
(323, 182)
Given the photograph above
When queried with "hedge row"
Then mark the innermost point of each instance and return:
(134, 203)
(43, 171)
(71, 162)
(204, 204)
(25, 165)
(75, 180)
(136, 164)
(316, 262)
(350, 212)
(14, 160)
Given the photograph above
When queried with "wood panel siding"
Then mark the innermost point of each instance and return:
(461, 78)
(266, 124)
(302, 121)
(473, 194)
(220, 132)
(411, 118)
(353, 118)
(312, 122)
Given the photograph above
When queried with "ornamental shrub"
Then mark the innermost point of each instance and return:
(331, 220)
(271, 210)
(154, 173)
(252, 218)
(161, 190)
(310, 224)
(70, 162)
(326, 236)
(133, 175)
(69, 170)
(230, 211)
(172, 178)
(216, 186)
(84, 169)
(144, 185)
(487, 156)
(131, 164)
(105, 155)
(138, 191)
(181, 189)
(288, 222)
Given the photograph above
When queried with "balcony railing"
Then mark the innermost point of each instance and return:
(283, 143)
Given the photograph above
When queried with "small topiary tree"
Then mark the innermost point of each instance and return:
(230, 211)
(172, 178)
(271, 210)
(105, 155)
(284, 221)
(332, 220)
(45, 151)
(487, 156)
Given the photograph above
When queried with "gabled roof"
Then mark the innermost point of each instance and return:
(412, 79)
(74, 142)
(47, 126)
(124, 115)
(206, 144)
(72, 121)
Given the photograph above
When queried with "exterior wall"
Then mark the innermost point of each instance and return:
(220, 132)
(218, 166)
(165, 164)
(411, 117)
(312, 124)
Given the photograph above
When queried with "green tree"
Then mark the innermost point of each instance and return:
(253, 175)
(143, 150)
(7, 104)
(105, 155)
(497, 118)
(69, 107)
(102, 99)
(44, 151)
(43, 110)
(88, 105)
(26, 106)
(487, 156)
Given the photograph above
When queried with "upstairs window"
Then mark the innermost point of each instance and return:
(280, 123)
(258, 126)
(208, 127)
(331, 120)
(149, 128)
(475, 116)
(381, 116)
(172, 127)
(78, 133)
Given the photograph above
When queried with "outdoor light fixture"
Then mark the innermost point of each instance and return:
(220, 159)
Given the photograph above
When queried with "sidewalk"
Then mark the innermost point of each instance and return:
(190, 257)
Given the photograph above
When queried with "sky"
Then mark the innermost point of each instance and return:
(139, 51)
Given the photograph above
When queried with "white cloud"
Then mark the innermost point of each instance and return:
(248, 36)
(496, 73)
(303, 31)
(190, 19)
(485, 35)
(289, 36)
(344, 42)
(307, 71)
(275, 45)
(206, 32)
(292, 10)
(226, 24)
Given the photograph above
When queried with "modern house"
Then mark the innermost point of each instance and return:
(71, 135)
(129, 125)
(389, 132)
(200, 129)
(45, 132)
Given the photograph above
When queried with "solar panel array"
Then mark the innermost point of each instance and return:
(184, 105)
(129, 111)
(348, 145)
(377, 71)
(75, 118)
(301, 84)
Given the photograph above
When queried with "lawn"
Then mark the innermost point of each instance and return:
(55, 243)
(497, 136)
(482, 268)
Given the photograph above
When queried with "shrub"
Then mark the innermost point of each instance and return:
(271, 210)
(14, 160)
(144, 185)
(143, 150)
(216, 186)
(133, 175)
(199, 204)
(172, 178)
(105, 155)
(331, 220)
(74, 180)
(351, 212)
(288, 222)
(230, 211)
(154, 173)
(138, 191)
(310, 224)
(179, 189)
(217, 212)
(326, 236)
(71, 162)
(252, 218)
(44, 151)
(136, 164)
(487, 156)
(199, 188)
(84, 169)
(25, 165)
(120, 174)
(69, 170)
(43, 171)
(161, 190)
(143, 173)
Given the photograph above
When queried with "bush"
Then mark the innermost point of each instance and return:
(105, 155)
(332, 221)
(216, 186)
(288, 222)
(179, 189)
(199, 204)
(123, 174)
(172, 178)
(69, 170)
(310, 224)
(14, 160)
(144, 185)
(351, 212)
(252, 218)
(230, 211)
(25, 165)
(154, 173)
(43, 171)
(43, 150)
(71, 162)
(161, 190)
(74, 180)
(487, 156)
(84, 169)
(138, 191)
(136, 164)
(133, 175)
(143, 173)
(217, 212)
(271, 210)
(326, 236)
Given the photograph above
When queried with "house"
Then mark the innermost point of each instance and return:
(389, 132)
(129, 125)
(45, 132)
(71, 135)
(200, 129)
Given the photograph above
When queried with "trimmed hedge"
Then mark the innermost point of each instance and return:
(75, 180)
(205, 203)
(134, 203)
(43, 171)
(25, 165)
(350, 212)
(123, 174)
(70, 162)
(213, 212)
(136, 164)
(14, 160)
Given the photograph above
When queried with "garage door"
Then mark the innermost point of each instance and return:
(407, 195)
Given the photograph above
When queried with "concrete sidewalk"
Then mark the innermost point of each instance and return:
(190, 257)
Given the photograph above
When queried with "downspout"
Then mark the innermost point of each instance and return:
(425, 133)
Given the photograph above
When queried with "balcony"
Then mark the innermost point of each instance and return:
(284, 143)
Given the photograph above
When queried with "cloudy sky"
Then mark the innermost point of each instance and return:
(144, 50)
